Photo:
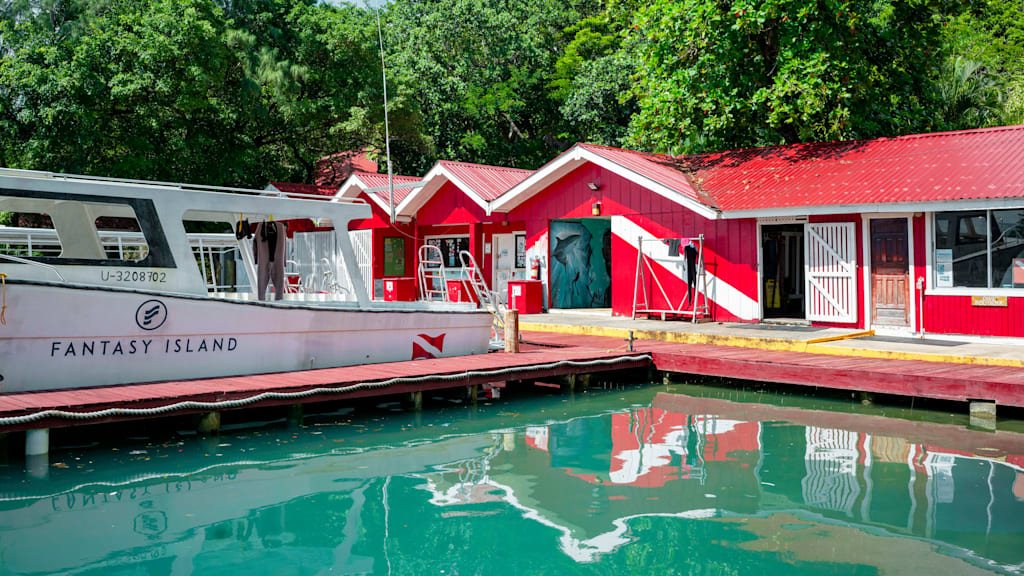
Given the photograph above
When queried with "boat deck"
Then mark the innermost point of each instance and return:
(545, 355)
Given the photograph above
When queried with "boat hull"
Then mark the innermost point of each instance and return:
(60, 337)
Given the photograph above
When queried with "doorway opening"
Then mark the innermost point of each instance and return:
(782, 272)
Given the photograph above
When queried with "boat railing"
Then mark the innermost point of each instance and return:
(474, 284)
(34, 263)
(177, 185)
(431, 273)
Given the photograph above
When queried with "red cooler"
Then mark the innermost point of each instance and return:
(526, 296)
(459, 291)
(399, 289)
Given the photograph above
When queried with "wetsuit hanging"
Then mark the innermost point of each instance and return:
(268, 249)
(690, 253)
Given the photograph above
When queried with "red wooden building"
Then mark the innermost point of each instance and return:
(900, 234)
(904, 234)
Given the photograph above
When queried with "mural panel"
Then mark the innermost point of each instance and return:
(581, 263)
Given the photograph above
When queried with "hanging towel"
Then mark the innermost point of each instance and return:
(673, 246)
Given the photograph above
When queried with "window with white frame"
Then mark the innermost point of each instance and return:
(979, 249)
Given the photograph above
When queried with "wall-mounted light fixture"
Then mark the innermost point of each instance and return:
(595, 208)
(594, 186)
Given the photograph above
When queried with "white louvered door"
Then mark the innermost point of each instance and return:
(831, 260)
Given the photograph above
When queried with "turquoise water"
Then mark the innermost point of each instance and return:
(626, 481)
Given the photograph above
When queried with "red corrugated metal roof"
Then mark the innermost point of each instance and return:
(663, 169)
(376, 180)
(293, 188)
(487, 182)
(948, 166)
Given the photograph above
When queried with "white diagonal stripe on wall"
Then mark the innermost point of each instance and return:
(719, 291)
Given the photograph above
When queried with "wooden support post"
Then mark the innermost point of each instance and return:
(584, 381)
(37, 453)
(417, 400)
(295, 415)
(472, 391)
(572, 382)
(37, 442)
(512, 331)
(209, 424)
(983, 415)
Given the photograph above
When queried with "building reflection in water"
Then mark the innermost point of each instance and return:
(591, 476)
(671, 481)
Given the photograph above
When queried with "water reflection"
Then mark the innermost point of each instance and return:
(678, 485)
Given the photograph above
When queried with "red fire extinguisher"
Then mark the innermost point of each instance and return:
(535, 269)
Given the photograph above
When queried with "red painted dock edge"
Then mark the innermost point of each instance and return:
(433, 374)
(937, 380)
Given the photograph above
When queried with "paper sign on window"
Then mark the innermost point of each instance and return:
(944, 268)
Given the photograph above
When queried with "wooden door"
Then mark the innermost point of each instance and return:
(890, 272)
(503, 247)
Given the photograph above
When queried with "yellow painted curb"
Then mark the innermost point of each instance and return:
(815, 346)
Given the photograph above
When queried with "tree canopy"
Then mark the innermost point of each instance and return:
(243, 92)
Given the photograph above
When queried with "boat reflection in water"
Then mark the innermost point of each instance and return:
(677, 485)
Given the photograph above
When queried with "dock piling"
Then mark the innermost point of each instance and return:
(417, 400)
(512, 331)
(209, 424)
(37, 453)
(294, 415)
(983, 415)
(37, 442)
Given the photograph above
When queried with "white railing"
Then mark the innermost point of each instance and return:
(123, 245)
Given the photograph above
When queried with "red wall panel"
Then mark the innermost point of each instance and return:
(956, 315)
(730, 245)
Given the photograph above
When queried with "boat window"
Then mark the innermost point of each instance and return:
(71, 229)
(122, 238)
(218, 255)
(28, 235)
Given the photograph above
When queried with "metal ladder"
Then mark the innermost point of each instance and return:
(431, 274)
(474, 284)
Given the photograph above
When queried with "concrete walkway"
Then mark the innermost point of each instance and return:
(811, 339)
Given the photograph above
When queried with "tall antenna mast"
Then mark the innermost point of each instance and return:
(387, 133)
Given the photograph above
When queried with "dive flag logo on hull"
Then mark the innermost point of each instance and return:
(425, 347)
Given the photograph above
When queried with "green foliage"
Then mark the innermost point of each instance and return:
(243, 92)
(482, 71)
(591, 80)
(969, 95)
(718, 74)
(991, 35)
(186, 90)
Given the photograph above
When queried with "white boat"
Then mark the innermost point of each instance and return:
(84, 315)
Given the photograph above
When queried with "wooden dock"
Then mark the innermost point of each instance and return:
(135, 401)
(1003, 385)
(546, 355)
